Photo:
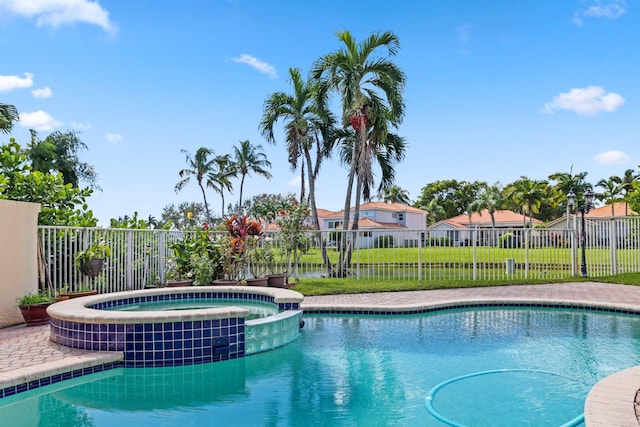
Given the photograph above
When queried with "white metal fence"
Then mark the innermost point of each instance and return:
(139, 257)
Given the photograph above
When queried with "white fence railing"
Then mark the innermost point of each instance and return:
(139, 257)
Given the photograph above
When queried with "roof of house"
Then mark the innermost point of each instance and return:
(381, 206)
(322, 213)
(605, 211)
(503, 218)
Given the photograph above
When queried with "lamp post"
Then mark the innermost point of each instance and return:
(584, 208)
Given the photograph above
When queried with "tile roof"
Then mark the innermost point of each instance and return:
(605, 211)
(502, 218)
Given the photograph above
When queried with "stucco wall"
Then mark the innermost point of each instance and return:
(18, 256)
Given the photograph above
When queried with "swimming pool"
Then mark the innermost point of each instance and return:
(357, 370)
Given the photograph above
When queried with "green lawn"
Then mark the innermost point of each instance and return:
(326, 286)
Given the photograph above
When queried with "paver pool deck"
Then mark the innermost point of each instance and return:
(27, 353)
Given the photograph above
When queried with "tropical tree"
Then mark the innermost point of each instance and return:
(563, 184)
(307, 123)
(528, 194)
(8, 115)
(220, 178)
(58, 152)
(198, 167)
(370, 88)
(435, 212)
(491, 199)
(61, 203)
(453, 196)
(250, 158)
(625, 184)
(187, 215)
(394, 194)
(611, 193)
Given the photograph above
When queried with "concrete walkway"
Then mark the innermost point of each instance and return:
(27, 353)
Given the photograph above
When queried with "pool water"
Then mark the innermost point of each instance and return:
(366, 371)
(257, 309)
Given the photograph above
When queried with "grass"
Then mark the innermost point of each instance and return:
(326, 286)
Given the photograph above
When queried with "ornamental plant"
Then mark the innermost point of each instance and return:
(292, 236)
(243, 236)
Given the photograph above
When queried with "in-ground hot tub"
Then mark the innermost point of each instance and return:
(178, 336)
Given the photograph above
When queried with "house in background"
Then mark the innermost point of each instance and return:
(403, 223)
(461, 230)
(600, 223)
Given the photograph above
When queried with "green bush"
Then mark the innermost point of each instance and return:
(385, 241)
(440, 241)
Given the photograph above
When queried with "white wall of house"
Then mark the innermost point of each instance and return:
(18, 256)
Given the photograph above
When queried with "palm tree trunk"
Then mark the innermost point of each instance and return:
(347, 208)
(241, 187)
(302, 182)
(206, 205)
(314, 213)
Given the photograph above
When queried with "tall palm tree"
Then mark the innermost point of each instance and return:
(370, 88)
(528, 194)
(394, 194)
(250, 158)
(198, 167)
(8, 115)
(307, 123)
(220, 178)
(611, 191)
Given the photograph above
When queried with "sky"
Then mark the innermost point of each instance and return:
(496, 89)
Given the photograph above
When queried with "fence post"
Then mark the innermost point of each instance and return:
(420, 243)
(129, 260)
(527, 236)
(474, 238)
(613, 246)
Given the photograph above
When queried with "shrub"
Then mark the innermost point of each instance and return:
(385, 241)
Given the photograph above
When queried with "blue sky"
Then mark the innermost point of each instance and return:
(495, 89)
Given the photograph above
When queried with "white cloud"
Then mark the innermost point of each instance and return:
(114, 138)
(259, 65)
(45, 92)
(612, 9)
(612, 157)
(40, 121)
(585, 101)
(80, 126)
(55, 13)
(9, 83)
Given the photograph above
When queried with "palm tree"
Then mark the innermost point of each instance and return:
(8, 115)
(566, 183)
(625, 184)
(250, 158)
(394, 194)
(371, 92)
(528, 194)
(198, 166)
(611, 193)
(435, 212)
(59, 152)
(306, 121)
(490, 199)
(220, 178)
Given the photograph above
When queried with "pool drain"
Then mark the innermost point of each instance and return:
(434, 391)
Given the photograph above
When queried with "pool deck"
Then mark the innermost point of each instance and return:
(26, 353)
